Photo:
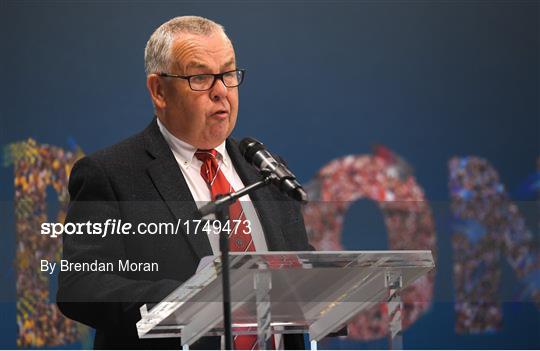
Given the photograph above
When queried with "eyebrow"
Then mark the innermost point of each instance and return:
(201, 65)
(228, 63)
(196, 65)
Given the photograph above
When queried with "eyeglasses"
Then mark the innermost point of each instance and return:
(202, 82)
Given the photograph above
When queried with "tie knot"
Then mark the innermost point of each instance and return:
(205, 155)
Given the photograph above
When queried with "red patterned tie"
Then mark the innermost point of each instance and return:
(219, 185)
(238, 240)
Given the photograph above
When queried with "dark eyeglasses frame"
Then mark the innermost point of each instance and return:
(216, 76)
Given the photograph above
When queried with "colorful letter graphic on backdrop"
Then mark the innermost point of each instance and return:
(35, 168)
(388, 180)
(487, 225)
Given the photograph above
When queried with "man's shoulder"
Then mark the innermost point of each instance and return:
(125, 149)
(129, 150)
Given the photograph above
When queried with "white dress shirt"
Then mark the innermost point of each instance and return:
(184, 154)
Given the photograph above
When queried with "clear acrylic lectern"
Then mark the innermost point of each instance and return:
(315, 292)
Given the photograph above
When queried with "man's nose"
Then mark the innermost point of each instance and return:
(218, 91)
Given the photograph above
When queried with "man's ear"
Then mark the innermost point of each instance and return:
(157, 91)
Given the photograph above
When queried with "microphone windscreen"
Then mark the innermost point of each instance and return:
(249, 147)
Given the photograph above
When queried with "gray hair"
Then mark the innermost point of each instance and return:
(157, 54)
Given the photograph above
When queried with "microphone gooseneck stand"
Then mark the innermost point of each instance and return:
(220, 207)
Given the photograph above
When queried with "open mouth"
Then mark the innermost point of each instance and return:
(221, 114)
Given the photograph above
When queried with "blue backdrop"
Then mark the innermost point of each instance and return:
(430, 80)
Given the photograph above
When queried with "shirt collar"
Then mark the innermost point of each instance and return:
(185, 153)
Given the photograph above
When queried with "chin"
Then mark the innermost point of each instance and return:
(211, 144)
(217, 138)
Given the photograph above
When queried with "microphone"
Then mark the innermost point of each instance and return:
(256, 154)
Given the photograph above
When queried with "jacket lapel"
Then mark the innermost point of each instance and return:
(171, 185)
(265, 204)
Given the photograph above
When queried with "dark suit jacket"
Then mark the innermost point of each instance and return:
(139, 180)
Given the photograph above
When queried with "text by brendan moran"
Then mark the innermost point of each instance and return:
(96, 266)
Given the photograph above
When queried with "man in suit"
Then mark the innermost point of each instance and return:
(158, 176)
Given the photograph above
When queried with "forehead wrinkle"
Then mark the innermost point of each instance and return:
(181, 50)
(190, 53)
